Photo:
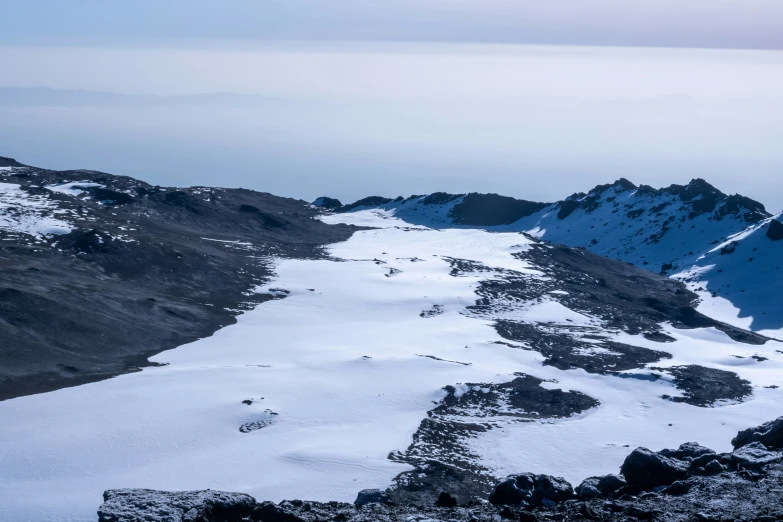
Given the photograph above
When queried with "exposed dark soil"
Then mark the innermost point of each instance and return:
(439, 453)
(626, 297)
(620, 298)
(703, 386)
(147, 269)
(567, 352)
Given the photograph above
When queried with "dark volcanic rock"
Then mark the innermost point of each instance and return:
(271, 512)
(703, 386)
(144, 269)
(688, 451)
(144, 505)
(644, 469)
(445, 500)
(594, 487)
(754, 455)
(440, 453)
(770, 434)
(775, 230)
(327, 203)
(528, 489)
(372, 201)
(9, 162)
(523, 397)
(485, 210)
(371, 496)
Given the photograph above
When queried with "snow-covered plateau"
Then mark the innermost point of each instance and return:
(321, 391)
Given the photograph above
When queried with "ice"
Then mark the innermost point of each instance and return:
(341, 367)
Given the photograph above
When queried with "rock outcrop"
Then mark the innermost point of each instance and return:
(770, 434)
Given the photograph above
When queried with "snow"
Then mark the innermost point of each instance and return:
(23, 213)
(743, 287)
(72, 188)
(692, 245)
(342, 368)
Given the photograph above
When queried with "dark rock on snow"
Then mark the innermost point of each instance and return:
(445, 500)
(144, 505)
(754, 455)
(770, 434)
(371, 496)
(594, 487)
(644, 469)
(528, 489)
(775, 230)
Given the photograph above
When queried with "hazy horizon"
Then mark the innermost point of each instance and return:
(350, 98)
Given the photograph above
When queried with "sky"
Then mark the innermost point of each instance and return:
(350, 98)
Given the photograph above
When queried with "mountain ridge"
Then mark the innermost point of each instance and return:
(671, 230)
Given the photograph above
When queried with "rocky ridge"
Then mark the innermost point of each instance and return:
(103, 271)
(690, 232)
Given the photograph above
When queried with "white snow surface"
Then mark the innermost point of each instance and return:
(740, 281)
(622, 225)
(341, 367)
(23, 213)
(72, 188)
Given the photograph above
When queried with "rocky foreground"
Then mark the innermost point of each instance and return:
(688, 483)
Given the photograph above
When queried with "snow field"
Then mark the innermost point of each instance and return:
(339, 362)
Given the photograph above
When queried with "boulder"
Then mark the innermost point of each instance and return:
(531, 490)
(703, 460)
(603, 486)
(775, 230)
(271, 512)
(714, 467)
(677, 488)
(371, 496)
(644, 469)
(144, 505)
(755, 455)
(770, 434)
(688, 451)
(445, 500)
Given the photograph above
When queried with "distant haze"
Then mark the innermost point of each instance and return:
(351, 98)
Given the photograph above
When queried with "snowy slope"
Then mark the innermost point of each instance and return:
(341, 369)
(640, 225)
(669, 230)
(740, 280)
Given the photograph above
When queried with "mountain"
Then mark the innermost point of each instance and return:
(102, 271)
(179, 339)
(672, 230)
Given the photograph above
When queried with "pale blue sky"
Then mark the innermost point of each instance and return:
(752, 24)
(350, 98)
